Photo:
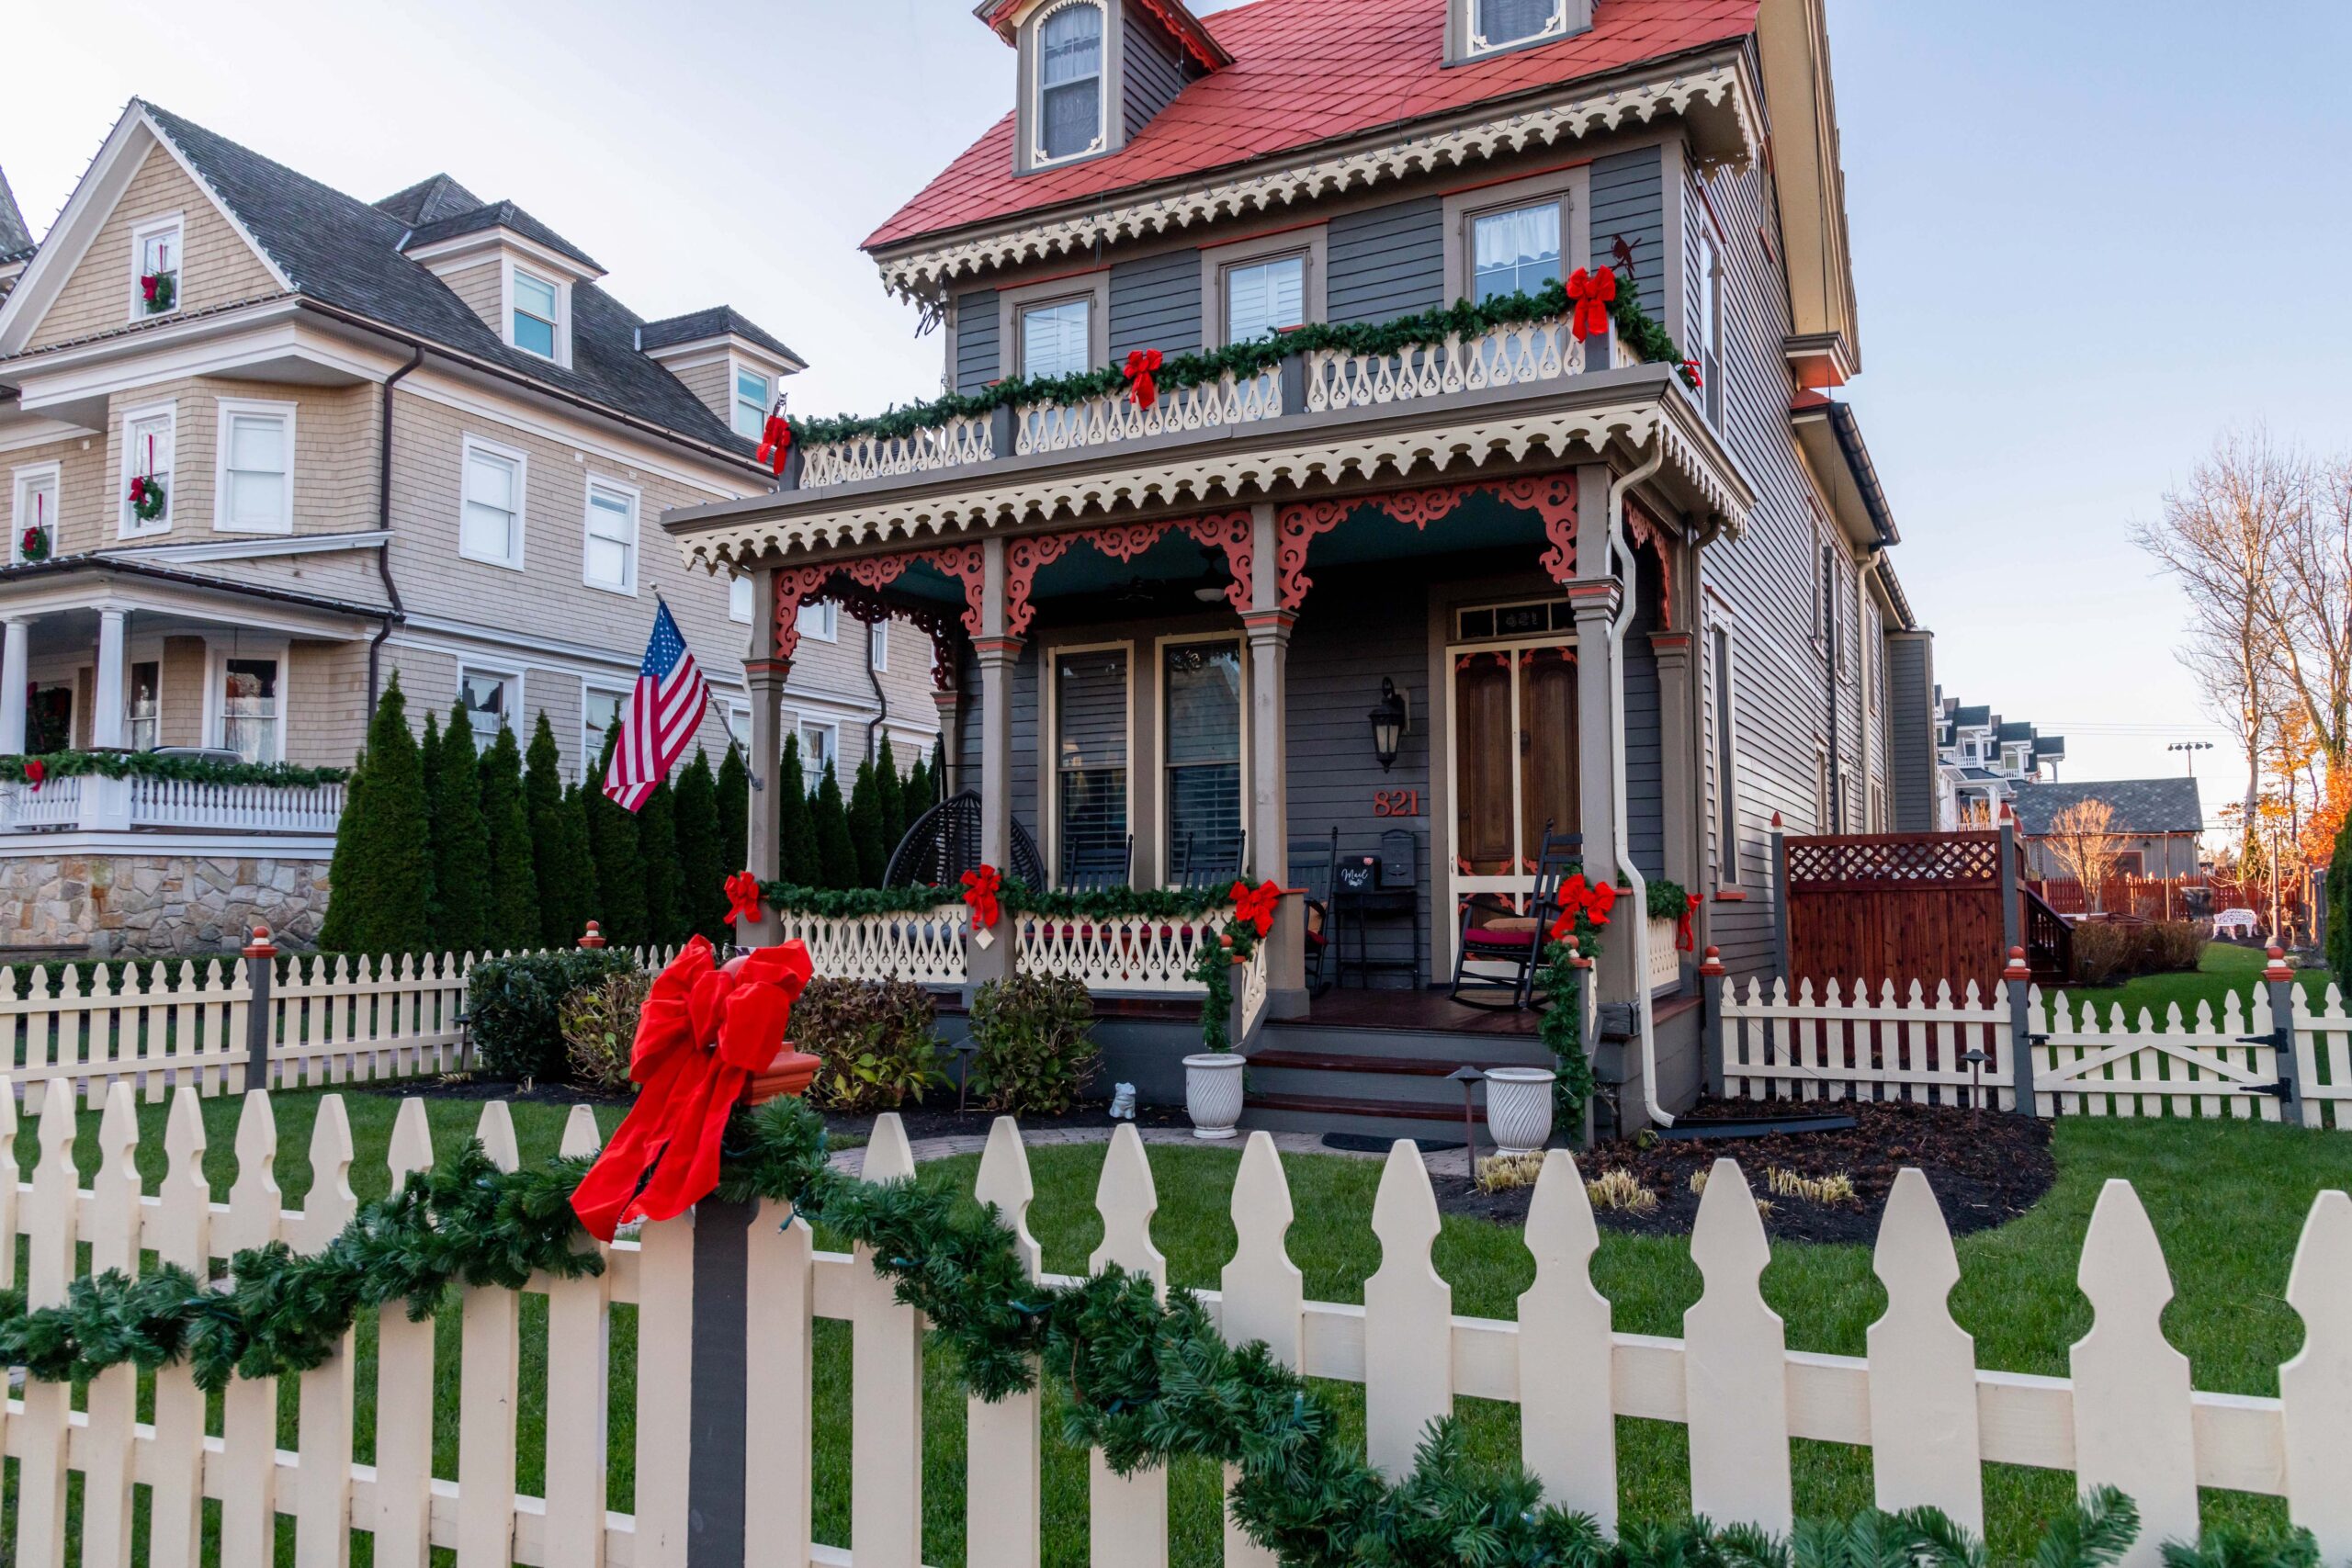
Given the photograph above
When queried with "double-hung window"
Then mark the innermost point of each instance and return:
(535, 314)
(1264, 298)
(750, 403)
(600, 709)
(1515, 252)
(738, 599)
(610, 561)
(820, 748)
(491, 699)
(1500, 24)
(147, 456)
(491, 528)
(256, 478)
(1069, 82)
(1726, 757)
(1055, 339)
(249, 715)
(35, 513)
(1707, 322)
(1201, 688)
(143, 705)
(155, 270)
(1091, 760)
(821, 620)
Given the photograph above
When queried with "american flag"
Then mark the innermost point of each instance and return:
(662, 713)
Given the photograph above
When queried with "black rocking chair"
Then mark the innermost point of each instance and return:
(1495, 934)
(1314, 871)
(1101, 867)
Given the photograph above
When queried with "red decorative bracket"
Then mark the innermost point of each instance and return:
(1024, 558)
(1233, 532)
(1552, 497)
(966, 565)
(1297, 527)
(795, 586)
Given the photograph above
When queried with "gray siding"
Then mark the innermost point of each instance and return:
(1911, 732)
(1628, 200)
(1156, 304)
(1153, 69)
(1389, 262)
(977, 359)
(1644, 738)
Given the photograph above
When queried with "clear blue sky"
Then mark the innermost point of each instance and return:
(2089, 235)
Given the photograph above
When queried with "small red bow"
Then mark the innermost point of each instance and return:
(1257, 905)
(139, 490)
(703, 1033)
(980, 888)
(775, 442)
(1685, 940)
(36, 772)
(1142, 365)
(1691, 375)
(1592, 292)
(743, 898)
(147, 287)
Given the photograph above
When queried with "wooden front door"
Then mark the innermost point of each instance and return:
(1514, 724)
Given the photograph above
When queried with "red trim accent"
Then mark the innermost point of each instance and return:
(1553, 498)
(1647, 530)
(1296, 527)
(1023, 560)
(1731, 895)
(1235, 534)
(795, 586)
(967, 564)
(1124, 541)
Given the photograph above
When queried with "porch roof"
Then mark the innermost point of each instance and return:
(72, 582)
(1295, 457)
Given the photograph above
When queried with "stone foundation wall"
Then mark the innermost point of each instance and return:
(158, 905)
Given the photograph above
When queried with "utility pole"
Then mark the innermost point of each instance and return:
(2190, 747)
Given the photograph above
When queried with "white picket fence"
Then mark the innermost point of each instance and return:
(1931, 1418)
(1912, 1046)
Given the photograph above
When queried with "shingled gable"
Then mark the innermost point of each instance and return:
(344, 254)
(2141, 805)
(1305, 72)
(15, 239)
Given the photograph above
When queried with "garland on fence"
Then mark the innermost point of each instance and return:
(1242, 361)
(1148, 1380)
(149, 765)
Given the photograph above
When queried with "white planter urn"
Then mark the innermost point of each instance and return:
(1519, 1108)
(1212, 1094)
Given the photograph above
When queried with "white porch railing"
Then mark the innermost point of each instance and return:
(1508, 357)
(950, 445)
(56, 804)
(1101, 420)
(1133, 953)
(235, 808)
(926, 949)
(1665, 958)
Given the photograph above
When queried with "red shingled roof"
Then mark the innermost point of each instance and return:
(1305, 72)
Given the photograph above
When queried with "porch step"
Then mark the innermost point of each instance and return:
(1416, 1048)
(1339, 1113)
(1339, 1061)
(1335, 1105)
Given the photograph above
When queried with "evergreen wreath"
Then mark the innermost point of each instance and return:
(146, 498)
(158, 291)
(34, 544)
(1148, 1380)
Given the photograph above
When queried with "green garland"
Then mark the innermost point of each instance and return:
(1242, 361)
(183, 770)
(1669, 900)
(1149, 1381)
(1562, 1027)
(856, 903)
(1017, 898)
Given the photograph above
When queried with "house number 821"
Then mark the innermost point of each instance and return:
(1395, 802)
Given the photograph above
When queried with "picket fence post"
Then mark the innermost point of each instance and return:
(1265, 1296)
(2017, 979)
(1567, 1425)
(2132, 1423)
(489, 1321)
(779, 1454)
(1408, 1318)
(2279, 979)
(1003, 1461)
(113, 1230)
(578, 1391)
(1925, 1447)
(183, 1238)
(260, 969)
(886, 1369)
(1128, 1515)
(323, 1477)
(2315, 1388)
(1735, 1359)
(50, 1232)
(404, 1388)
(249, 1420)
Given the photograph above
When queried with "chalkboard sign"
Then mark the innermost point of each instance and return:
(1359, 873)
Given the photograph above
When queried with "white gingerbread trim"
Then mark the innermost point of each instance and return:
(918, 274)
(1226, 473)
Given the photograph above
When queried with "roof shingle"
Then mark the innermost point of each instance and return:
(2141, 806)
(717, 321)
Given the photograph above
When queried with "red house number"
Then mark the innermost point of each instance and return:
(1395, 802)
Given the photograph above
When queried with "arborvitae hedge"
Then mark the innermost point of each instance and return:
(620, 867)
(513, 877)
(428, 761)
(915, 797)
(2339, 906)
(734, 811)
(701, 877)
(565, 874)
(798, 856)
(836, 855)
(381, 882)
(657, 844)
(890, 802)
(577, 847)
(865, 826)
(460, 841)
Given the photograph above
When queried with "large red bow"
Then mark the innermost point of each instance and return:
(1142, 365)
(1592, 293)
(775, 443)
(36, 772)
(1591, 900)
(703, 1033)
(980, 888)
(1257, 905)
(1685, 940)
(743, 898)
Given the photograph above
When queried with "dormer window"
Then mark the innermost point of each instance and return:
(535, 313)
(1069, 82)
(1481, 28)
(751, 406)
(155, 267)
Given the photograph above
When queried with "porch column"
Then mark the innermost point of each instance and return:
(106, 728)
(997, 652)
(1678, 747)
(765, 674)
(949, 700)
(1269, 817)
(15, 655)
(1595, 596)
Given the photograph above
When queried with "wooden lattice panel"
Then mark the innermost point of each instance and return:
(1942, 860)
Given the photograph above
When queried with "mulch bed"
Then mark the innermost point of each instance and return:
(475, 1087)
(1987, 1167)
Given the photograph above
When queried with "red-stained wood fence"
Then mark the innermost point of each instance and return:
(1905, 906)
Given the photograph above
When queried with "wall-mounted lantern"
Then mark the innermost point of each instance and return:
(1391, 721)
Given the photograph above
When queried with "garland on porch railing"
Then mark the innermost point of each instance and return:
(1013, 898)
(1463, 319)
(149, 765)
(1585, 911)
(1148, 1380)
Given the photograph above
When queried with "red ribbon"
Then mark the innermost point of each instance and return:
(980, 888)
(743, 898)
(36, 773)
(1685, 940)
(775, 442)
(1691, 375)
(703, 1033)
(138, 491)
(147, 288)
(1142, 365)
(1592, 292)
(1257, 905)
(1591, 900)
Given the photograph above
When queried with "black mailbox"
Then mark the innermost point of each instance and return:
(1399, 859)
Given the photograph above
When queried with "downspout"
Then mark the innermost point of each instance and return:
(881, 698)
(1620, 795)
(384, 525)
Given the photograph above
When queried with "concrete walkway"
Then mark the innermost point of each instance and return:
(851, 1161)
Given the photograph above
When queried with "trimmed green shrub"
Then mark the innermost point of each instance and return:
(734, 812)
(889, 807)
(561, 866)
(517, 1005)
(1035, 1039)
(620, 867)
(836, 855)
(513, 924)
(701, 877)
(796, 824)
(381, 882)
(915, 797)
(879, 1039)
(460, 843)
(657, 842)
(599, 1025)
(865, 826)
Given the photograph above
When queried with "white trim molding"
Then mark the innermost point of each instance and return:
(618, 490)
(247, 548)
(1725, 88)
(22, 481)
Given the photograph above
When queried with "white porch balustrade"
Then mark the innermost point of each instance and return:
(1132, 954)
(1665, 959)
(1212, 405)
(56, 804)
(928, 949)
(1508, 357)
(950, 445)
(91, 803)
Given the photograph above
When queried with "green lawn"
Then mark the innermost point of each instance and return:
(2228, 1199)
(2225, 969)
